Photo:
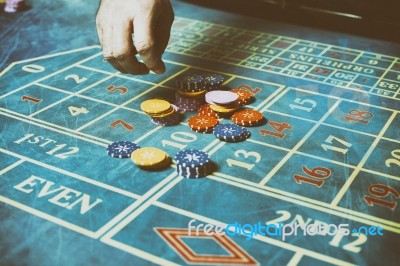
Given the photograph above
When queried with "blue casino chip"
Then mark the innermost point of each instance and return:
(121, 149)
(231, 132)
(213, 81)
(190, 82)
(191, 158)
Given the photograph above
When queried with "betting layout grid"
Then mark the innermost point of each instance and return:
(290, 152)
(307, 60)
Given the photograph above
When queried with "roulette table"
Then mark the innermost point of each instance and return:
(327, 156)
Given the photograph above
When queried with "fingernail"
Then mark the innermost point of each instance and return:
(159, 69)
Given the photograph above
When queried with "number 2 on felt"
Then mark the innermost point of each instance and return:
(249, 89)
(279, 128)
(76, 78)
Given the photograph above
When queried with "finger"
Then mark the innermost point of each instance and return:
(164, 32)
(99, 28)
(145, 43)
(107, 43)
(124, 51)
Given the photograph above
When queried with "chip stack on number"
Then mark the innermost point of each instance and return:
(224, 103)
(192, 163)
(247, 118)
(213, 81)
(245, 97)
(162, 113)
(190, 93)
(205, 109)
(231, 133)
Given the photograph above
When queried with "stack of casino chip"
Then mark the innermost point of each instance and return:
(189, 101)
(192, 163)
(231, 133)
(245, 97)
(247, 118)
(205, 109)
(121, 149)
(190, 93)
(151, 158)
(162, 113)
(202, 123)
(213, 81)
(224, 103)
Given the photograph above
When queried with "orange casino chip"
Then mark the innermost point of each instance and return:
(206, 110)
(247, 118)
(202, 123)
(244, 96)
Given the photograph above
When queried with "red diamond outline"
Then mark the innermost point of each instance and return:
(172, 237)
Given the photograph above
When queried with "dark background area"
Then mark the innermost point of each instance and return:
(55, 26)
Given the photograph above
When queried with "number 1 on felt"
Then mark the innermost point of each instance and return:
(31, 99)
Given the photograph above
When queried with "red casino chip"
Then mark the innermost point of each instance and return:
(206, 110)
(245, 97)
(247, 118)
(202, 123)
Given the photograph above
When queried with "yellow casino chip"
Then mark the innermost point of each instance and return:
(148, 157)
(155, 107)
(223, 109)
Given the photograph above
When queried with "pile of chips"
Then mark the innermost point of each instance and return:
(162, 113)
(224, 103)
(146, 158)
(191, 89)
(192, 163)
(201, 93)
(231, 133)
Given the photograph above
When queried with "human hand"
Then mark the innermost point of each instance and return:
(149, 20)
